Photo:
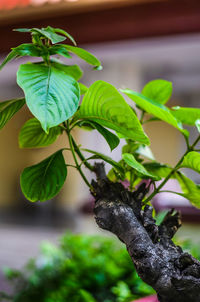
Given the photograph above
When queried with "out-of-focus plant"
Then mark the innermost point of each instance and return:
(82, 269)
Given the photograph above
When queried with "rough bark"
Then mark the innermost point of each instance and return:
(174, 274)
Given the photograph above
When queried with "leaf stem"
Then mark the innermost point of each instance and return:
(81, 156)
(157, 190)
(74, 155)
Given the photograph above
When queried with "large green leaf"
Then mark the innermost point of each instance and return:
(103, 104)
(8, 109)
(192, 161)
(158, 110)
(33, 136)
(83, 54)
(51, 95)
(187, 116)
(158, 90)
(43, 181)
(107, 159)
(133, 163)
(73, 70)
(111, 138)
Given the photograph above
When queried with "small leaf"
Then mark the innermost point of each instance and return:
(23, 30)
(49, 34)
(28, 50)
(43, 181)
(191, 191)
(187, 116)
(145, 151)
(192, 161)
(83, 88)
(197, 124)
(33, 136)
(111, 138)
(158, 110)
(59, 50)
(133, 163)
(107, 159)
(83, 54)
(73, 70)
(104, 104)
(158, 90)
(51, 95)
(8, 109)
(49, 30)
(64, 33)
(160, 170)
(11, 56)
(130, 147)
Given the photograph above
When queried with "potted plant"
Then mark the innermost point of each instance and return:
(52, 93)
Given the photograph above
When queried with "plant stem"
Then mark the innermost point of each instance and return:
(74, 156)
(157, 190)
(81, 156)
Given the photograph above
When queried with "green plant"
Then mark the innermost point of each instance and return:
(82, 268)
(52, 93)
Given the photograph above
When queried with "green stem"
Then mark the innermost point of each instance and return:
(142, 116)
(81, 156)
(157, 190)
(74, 156)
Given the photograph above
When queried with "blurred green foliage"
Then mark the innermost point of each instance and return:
(82, 269)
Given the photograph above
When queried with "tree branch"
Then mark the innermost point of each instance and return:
(174, 275)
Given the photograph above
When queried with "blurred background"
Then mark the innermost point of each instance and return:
(136, 41)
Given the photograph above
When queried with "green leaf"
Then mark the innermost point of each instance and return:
(197, 124)
(145, 151)
(23, 30)
(158, 110)
(86, 296)
(59, 50)
(104, 104)
(83, 88)
(83, 54)
(187, 116)
(111, 138)
(8, 109)
(64, 33)
(49, 34)
(73, 70)
(158, 90)
(107, 159)
(28, 50)
(51, 95)
(191, 191)
(11, 56)
(158, 169)
(33, 136)
(133, 163)
(192, 161)
(43, 181)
